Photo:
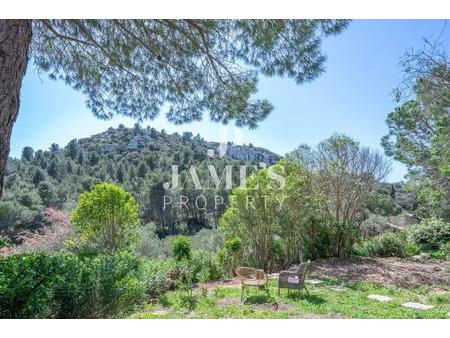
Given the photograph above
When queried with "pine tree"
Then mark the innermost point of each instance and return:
(38, 177)
(27, 154)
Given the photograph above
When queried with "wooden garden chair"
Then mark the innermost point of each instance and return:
(252, 277)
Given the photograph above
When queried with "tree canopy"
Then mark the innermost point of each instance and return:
(135, 67)
(419, 128)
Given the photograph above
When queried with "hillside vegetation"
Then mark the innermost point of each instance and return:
(139, 160)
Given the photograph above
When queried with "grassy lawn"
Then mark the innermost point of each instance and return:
(224, 302)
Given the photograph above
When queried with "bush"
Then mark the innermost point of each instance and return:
(431, 234)
(155, 276)
(205, 267)
(181, 248)
(107, 216)
(233, 245)
(41, 285)
(385, 245)
(230, 255)
(381, 203)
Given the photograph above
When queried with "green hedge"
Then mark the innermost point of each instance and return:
(63, 285)
(42, 285)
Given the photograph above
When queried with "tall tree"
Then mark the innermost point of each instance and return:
(344, 173)
(72, 149)
(27, 154)
(15, 38)
(133, 67)
(419, 128)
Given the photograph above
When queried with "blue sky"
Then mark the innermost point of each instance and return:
(352, 97)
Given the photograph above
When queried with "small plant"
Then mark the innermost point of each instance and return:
(230, 255)
(186, 283)
(205, 267)
(181, 248)
(233, 245)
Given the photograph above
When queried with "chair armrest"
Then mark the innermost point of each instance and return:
(284, 275)
(287, 273)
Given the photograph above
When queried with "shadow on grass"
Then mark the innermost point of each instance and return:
(313, 299)
(259, 299)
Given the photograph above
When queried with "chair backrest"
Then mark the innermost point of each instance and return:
(302, 270)
(249, 273)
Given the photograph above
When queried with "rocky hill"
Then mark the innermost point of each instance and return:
(135, 142)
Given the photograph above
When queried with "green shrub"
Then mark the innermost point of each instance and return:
(382, 203)
(431, 234)
(41, 285)
(155, 276)
(233, 245)
(107, 216)
(119, 282)
(201, 267)
(205, 267)
(181, 248)
(278, 253)
(385, 245)
(230, 255)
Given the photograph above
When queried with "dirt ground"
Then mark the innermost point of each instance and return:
(393, 271)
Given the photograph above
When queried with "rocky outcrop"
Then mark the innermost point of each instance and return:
(251, 154)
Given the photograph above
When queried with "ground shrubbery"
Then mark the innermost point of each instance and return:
(89, 285)
(388, 244)
(431, 236)
(61, 285)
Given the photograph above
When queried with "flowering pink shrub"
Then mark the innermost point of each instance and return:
(51, 237)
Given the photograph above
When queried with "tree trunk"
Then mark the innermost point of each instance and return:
(15, 38)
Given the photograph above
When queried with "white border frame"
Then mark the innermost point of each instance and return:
(229, 9)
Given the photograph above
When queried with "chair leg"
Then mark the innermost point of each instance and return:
(242, 292)
(306, 289)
